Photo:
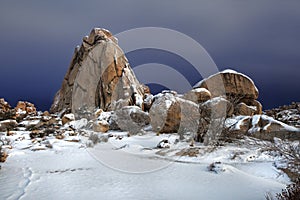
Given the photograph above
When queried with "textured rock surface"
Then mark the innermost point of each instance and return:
(101, 126)
(237, 87)
(264, 127)
(212, 115)
(198, 95)
(165, 113)
(5, 110)
(235, 84)
(8, 124)
(189, 118)
(131, 118)
(99, 75)
(67, 118)
(289, 114)
(24, 108)
(243, 109)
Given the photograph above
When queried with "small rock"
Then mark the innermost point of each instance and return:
(101, 126)
(67, 118)
(163, 144)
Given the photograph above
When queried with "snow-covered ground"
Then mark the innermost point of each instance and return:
(134, 168)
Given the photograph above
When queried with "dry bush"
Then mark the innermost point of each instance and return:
(291, 192)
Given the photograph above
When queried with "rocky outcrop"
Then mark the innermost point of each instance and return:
(5, 110)
(7, 125)
(289, 114)
(263, 127)
(235, 84)
(99, 76)
(24, 109)
(237, 87)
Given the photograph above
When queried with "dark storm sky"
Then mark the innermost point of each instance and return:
(260, 38)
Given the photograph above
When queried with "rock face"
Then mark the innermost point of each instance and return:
(99, 75)
(7, 125)
(171, 114)
(131, 118)
(101, 126)
(165, 113)
(289, 114)
(237, 87)
(264, 127)
(243, 109)
(67, 118)
(235, 84)
(212, 116)
(198, 95)
(5, 110)
(24, 108)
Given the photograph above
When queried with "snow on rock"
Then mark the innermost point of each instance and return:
(78, 124)
(99, 75)
(68, 117)
(165, 113)
(198, 95)
(101, 126)
(131, 118)
(8, 124)
(234, 83)
(263, 127)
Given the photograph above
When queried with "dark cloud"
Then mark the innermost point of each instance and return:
(258, 38)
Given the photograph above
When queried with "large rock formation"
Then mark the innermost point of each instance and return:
(237, 87)
(99, 76)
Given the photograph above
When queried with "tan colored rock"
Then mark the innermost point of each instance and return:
(24, 108)
(235, 84)
(198, 95)
(5, 110)
(165, 113)
(98, 76)
(255, 103)
(98, 113)
(101, 126)
(3, 156)
(4, 106)
(7, 125)
(265, 128)
(243, 109)
(68, 118)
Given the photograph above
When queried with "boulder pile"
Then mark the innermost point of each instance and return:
(100, 92)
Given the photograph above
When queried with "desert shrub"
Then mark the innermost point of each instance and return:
(94, 138)
(291, 192)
